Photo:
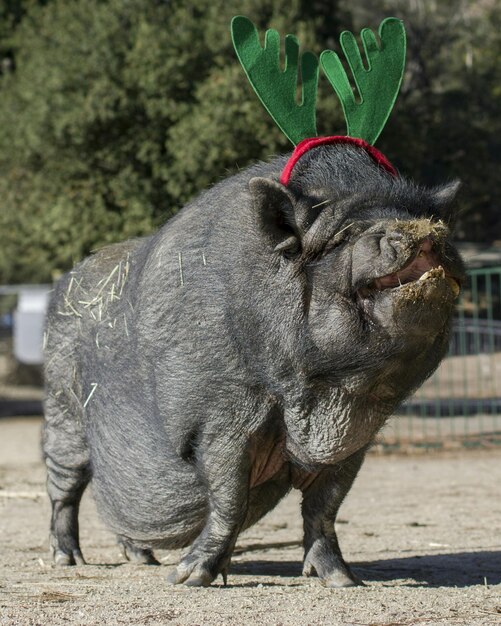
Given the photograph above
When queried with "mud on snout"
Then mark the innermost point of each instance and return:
(411, 262)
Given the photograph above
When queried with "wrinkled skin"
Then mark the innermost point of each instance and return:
(257, 342)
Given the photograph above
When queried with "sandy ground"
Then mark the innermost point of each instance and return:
(423, 532)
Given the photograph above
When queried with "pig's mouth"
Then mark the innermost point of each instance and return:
(424, 266)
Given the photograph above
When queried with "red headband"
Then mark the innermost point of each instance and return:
(307, 144)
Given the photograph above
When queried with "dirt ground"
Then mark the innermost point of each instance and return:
(423, 532)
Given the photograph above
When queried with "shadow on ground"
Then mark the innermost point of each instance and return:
(463, 569)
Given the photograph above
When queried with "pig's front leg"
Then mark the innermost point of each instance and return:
(224, 467)
(321, 502)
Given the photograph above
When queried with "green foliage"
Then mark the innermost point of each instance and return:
(113, 114)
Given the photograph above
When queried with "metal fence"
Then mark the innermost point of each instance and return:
(460, 405)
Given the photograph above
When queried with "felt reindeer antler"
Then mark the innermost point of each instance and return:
(378, 84)
(277, 89)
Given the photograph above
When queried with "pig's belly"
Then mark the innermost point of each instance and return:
(268, 458)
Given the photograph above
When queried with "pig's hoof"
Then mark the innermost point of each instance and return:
(141, 557)
(194, 573)
(137, 555)
(68, 558)
(342, 579)
(197, 577)
(202, 580)
(337, 577)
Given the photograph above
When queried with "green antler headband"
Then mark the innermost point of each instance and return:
(377, 83)
(276, 88)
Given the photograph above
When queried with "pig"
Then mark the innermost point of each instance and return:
(256, 343)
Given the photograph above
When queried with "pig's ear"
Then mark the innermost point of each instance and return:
(445, 194)
(443, 199)
(274, 210)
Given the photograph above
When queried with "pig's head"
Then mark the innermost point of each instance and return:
(369, 256)
(365, 282)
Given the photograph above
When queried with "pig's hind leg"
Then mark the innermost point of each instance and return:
(68, 473)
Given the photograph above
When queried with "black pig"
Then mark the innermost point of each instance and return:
(257, 342)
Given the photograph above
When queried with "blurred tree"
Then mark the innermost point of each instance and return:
(116, 113)
(113, 114)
